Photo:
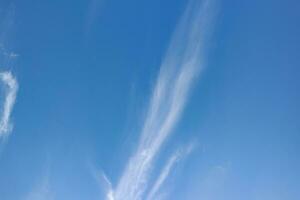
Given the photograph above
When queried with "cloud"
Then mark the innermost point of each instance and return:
(9, 82)
(103, 181)
(41, 191)
(162, 177)
(182, 64)
(94, 10)
(11, 88)
(6, 23)
(175, 158)
(213, 185)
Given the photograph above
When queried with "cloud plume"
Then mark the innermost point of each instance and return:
(42, 191)
(183, 62)
(175, 158)
(10, 88)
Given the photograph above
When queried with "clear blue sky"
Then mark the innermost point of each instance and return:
(86, 124)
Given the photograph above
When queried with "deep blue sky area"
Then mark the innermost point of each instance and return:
(86, 71)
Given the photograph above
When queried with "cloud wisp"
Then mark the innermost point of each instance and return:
(42, 191)
(95, 8)
(175, 158)
(8, 82)
(183, 62)
(163, 176)
(11, 88)
(103, 181)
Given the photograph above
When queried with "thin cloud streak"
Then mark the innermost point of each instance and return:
(103, 181)
(163, 176)
(6, 24)
(11, 88)
(42, 191)
(95, 8)
(182, 64)
(175, 158)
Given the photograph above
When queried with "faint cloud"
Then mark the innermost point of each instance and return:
(183, 62)
(103, 181)
(211, 186)
(10, 87)
(6, 24)
(41, 191)
(94, 11)
(175, 158)
(9, 82)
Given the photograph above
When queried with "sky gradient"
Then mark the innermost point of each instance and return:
(149, 100)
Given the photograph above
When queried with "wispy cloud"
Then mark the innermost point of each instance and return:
(163, 176)
(211, 184)
(11, 87)
(8, 82)
(41, 191)
(182, 64)
(94, 11)
(103, 181)
(175, 158)
(6, 23)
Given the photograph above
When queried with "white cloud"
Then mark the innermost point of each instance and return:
(103, 181)
(6, 23)
(210, 185)
(41, 191)
(11, 88)
(94, 11)
(163, 176)
(182, 64)
(176, 157)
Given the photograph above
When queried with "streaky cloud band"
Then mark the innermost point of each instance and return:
(175, 158)
(11, 88)
(183, 62)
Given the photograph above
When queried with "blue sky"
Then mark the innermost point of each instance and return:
(136, 99)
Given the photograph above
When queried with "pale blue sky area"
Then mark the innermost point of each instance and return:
(139, 99)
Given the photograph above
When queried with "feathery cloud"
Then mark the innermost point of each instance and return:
(42, 190)
(94, 11)
(11, 88)
(182, 64)
(103, 181)
(175, 158)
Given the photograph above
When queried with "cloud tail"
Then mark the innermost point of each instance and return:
(173, 160)
(183, 62)
(11, 88)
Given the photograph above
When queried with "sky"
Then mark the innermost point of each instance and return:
(149, 100)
